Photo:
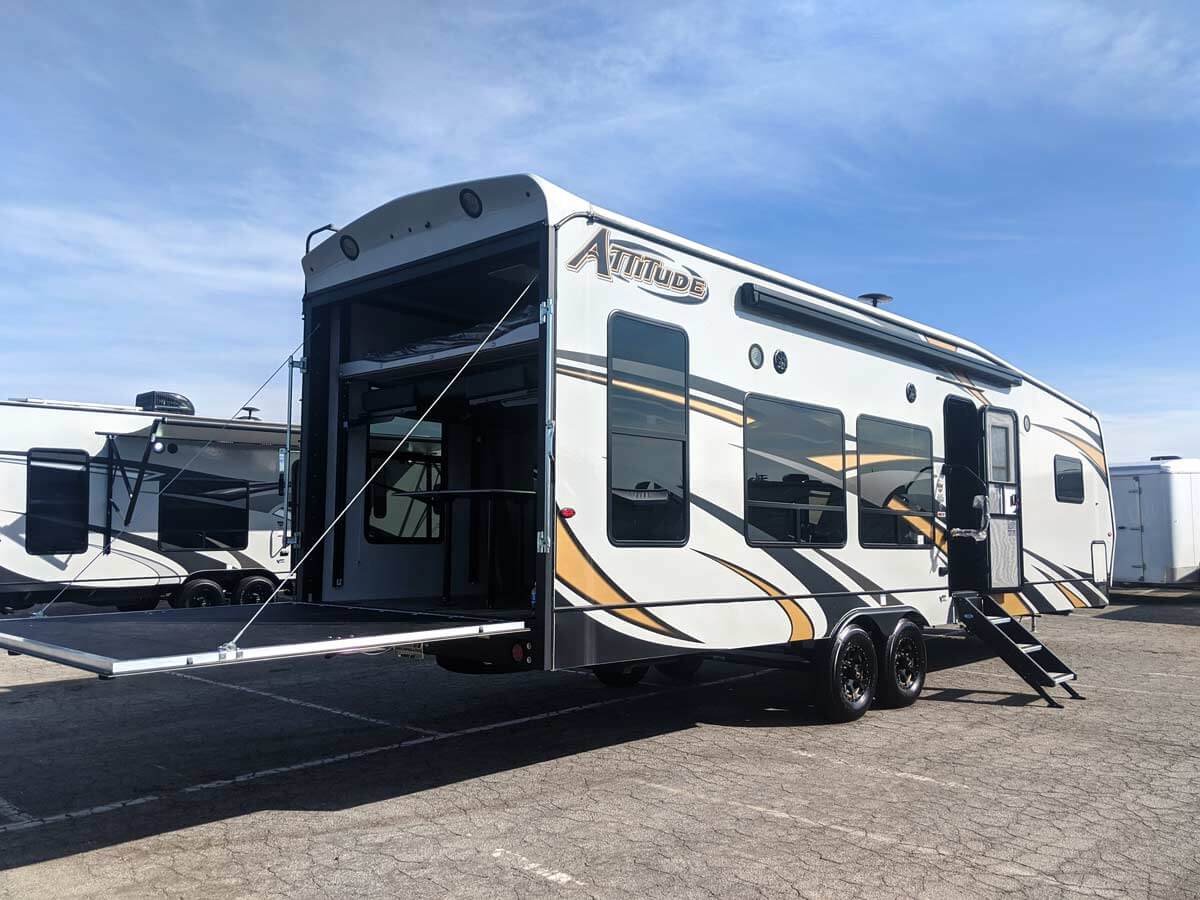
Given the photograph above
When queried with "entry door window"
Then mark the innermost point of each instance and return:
(1001, 453)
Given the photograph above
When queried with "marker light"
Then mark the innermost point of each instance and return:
(568, 512)
(349, 247)
(470, 202)
(158, 446)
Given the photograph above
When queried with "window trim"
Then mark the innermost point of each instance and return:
(1082, 484)
(753, 395)
(87, 502)
(686, 440)
(931, 515)
(177, 549)
(367, 505)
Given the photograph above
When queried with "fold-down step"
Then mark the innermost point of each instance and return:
(112, 644)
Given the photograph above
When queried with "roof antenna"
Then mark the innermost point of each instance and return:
(876, 300)
(249, 414)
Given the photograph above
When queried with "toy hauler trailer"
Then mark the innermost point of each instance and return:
(1158, 523)
(541, 435)
(130, 505)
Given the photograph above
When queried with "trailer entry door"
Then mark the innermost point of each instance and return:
(1002, 473)
(112, 644)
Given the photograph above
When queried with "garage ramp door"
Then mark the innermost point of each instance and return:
(135, 643)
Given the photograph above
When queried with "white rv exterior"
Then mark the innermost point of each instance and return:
(1158, 522)
(126, 506)
(544, 435)
(744, 336)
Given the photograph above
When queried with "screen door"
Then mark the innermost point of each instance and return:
(1001, 465)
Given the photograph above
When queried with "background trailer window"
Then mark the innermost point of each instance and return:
(203, 512)
(647, 432)
(56, 502)
(895, 484)
(795, 474)
(1068, 480)
(393, 517)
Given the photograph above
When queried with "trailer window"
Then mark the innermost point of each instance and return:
(393, 515)
(1068, 480)
(203, 512)
(56, 502)
(895, 484)
(647, 432)
(794, 468)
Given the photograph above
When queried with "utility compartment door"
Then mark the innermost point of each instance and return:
(113, 644)
(1002, 472)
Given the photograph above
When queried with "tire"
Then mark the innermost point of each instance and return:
(620, 676)
(848, 675)
(199, 592)
(902, 669)
(253, 589)
(682, 669)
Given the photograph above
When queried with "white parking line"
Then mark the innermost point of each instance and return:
(1170, 675)
(528, 865)
(879, 770)
(12, 813)
(1081, 687)
(875, 836)
(305, 703)
(259, 774)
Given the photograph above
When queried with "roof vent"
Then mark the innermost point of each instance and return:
(165, 401)
(1163, 458)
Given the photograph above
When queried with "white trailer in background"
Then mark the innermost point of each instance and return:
(130, 505)
(1157, 505)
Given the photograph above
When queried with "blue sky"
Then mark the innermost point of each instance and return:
(1026, 175)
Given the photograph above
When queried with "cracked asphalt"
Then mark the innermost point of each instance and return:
(373, 776)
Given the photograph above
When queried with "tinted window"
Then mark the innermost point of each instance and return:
(794, 466)
(895, 484)
(56, 502)
(392, 516)
(203, 512)
(647, 424)
(1068, 480)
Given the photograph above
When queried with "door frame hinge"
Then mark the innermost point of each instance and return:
(543, 543)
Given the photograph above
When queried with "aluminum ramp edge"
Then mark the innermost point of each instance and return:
(111, 667)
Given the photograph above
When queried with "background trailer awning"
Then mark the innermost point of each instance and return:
(112, 644)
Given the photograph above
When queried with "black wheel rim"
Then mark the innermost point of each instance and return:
(206, 597)
(257, 593)
(855, 670)
(908, 663)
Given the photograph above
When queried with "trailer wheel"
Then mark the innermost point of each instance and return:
(848, 675)
(682, 669)
(253, 589)
(620, 676)
(902, 669)
(200, 592)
